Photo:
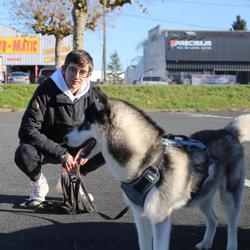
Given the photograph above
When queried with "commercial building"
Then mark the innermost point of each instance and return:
(28, 52)
(195, 57)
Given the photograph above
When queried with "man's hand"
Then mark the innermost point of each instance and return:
(79, 159)
(68, 162)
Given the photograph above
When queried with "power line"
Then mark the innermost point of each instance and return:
(209, 3)
(168, 21)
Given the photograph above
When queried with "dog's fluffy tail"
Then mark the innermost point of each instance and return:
(240, 127)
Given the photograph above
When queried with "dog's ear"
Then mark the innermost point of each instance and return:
(100, 99)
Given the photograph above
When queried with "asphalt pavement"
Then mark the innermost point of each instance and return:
(25, 229)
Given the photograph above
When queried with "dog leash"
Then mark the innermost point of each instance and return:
(91, 205)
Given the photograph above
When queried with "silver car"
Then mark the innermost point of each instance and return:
(153, 80)
(19, 77)
(45, 73)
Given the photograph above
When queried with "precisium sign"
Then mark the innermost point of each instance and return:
(190, 44)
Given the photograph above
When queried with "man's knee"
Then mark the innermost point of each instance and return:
(28, 159)
(26, 154)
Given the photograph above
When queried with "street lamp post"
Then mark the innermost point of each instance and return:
(104, 72)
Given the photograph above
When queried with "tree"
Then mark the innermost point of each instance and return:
(54, 17)
(240, 24)
(114, 68)
(86, 13)
(85, 16)
(46, 17)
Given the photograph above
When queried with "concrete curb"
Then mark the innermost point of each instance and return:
(11, 110)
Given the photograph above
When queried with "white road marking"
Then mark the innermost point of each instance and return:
(247, 183)
(207, 115)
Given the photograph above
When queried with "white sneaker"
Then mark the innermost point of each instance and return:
(91, 197)
(39, 190)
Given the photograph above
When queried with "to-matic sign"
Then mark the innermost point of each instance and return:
(190, 44)
(19, 45)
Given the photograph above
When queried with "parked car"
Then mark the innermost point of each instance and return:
(153, 80)
(19, 77)
(44, 74)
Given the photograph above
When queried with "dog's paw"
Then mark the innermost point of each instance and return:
(203, 245)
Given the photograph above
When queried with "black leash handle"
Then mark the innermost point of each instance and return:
(92, 206)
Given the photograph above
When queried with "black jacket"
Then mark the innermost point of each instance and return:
(50, 115)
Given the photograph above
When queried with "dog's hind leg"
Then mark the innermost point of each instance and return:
(231, 202)
(144, 230)
(207, 208)
(161, 234)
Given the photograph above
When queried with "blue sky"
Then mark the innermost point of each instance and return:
(129, 28)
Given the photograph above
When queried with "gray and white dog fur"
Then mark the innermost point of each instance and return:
(130, 142)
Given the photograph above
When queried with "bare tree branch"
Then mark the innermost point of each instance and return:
(112, 4)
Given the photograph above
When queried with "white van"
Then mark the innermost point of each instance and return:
(153, 80)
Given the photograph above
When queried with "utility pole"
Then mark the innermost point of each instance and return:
(104, 72)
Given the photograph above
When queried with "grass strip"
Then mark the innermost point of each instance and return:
(159, 97)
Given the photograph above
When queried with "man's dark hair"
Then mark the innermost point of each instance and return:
(79, 57)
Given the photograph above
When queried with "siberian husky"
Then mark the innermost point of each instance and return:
(135, 149)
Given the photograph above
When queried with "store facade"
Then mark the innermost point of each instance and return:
(27, 52)
(183, 56)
